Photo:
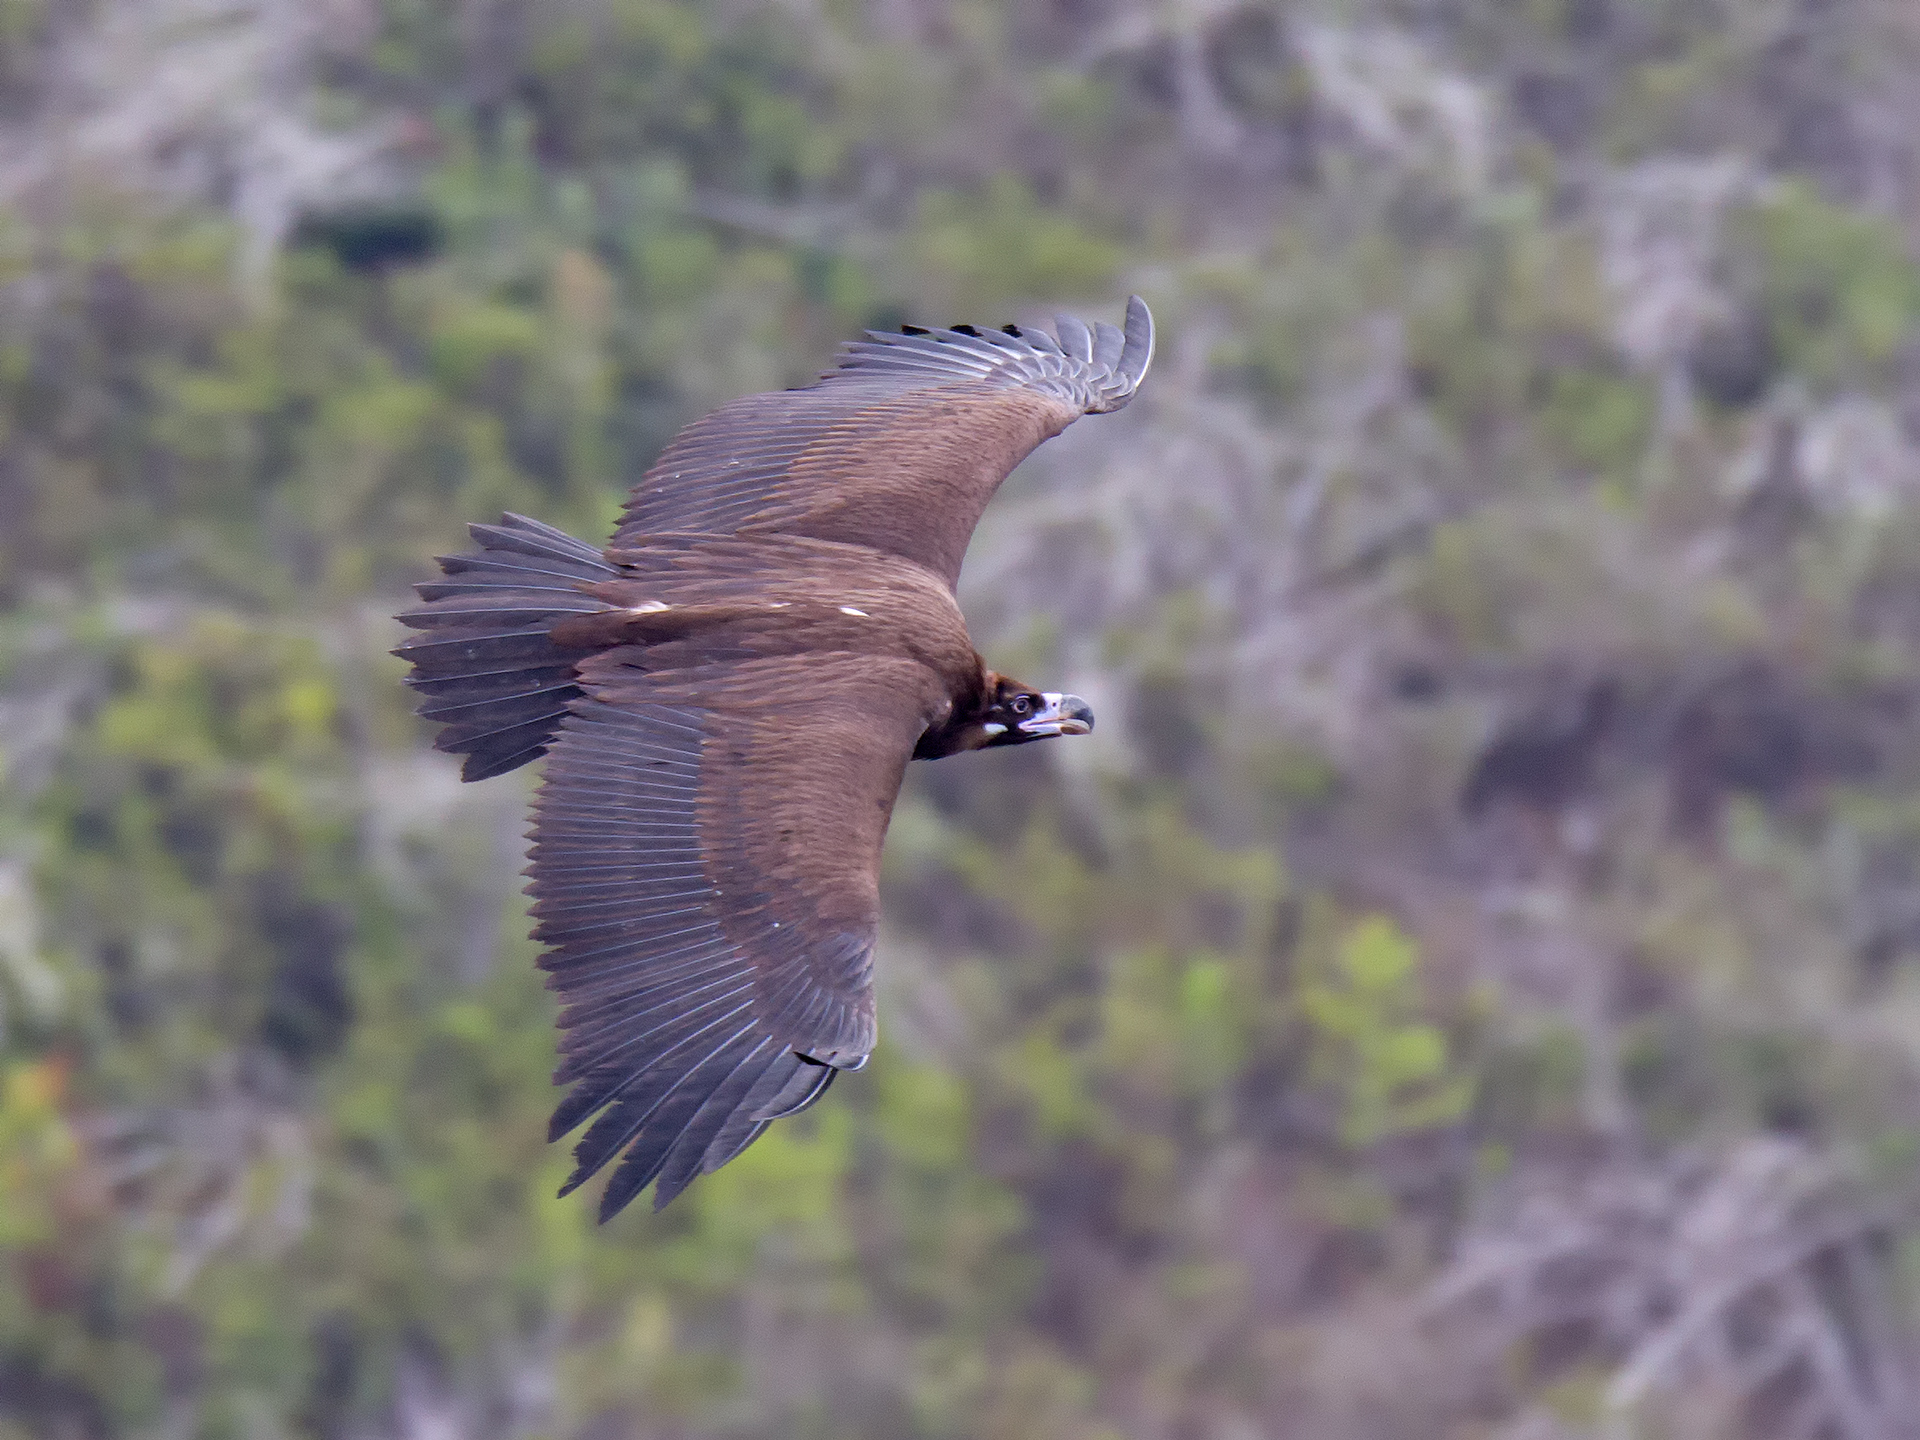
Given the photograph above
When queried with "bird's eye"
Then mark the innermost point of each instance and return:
(1020, 705)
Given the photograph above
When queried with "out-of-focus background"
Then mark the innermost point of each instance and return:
(1469, 986)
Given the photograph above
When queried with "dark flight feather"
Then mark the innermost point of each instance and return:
(687, 955)
(728, 697)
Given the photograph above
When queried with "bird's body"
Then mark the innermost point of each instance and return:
(730, 693)
(775, 595)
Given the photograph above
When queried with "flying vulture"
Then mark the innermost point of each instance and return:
(728, 696)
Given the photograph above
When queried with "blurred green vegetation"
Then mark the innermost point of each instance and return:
(1175, 1083)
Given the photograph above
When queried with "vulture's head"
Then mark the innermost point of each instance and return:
(1010, 713)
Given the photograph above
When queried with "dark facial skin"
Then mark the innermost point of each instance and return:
(1013, 714)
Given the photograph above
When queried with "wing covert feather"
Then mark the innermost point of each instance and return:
(900, 448)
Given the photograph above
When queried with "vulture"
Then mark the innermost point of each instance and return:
(727, 696)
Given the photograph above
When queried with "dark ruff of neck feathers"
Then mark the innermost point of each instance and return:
(728, 696)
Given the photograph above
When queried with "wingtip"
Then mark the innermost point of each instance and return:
(1123, 355)
(1100, 366)
(1076, 340)
(1138, 354)
(664, 1193)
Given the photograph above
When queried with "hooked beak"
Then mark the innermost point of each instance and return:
(1058, 715)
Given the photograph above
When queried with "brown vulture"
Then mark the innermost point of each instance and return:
(728, 695)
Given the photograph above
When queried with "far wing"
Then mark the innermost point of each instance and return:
(899, 448)
(706, 872)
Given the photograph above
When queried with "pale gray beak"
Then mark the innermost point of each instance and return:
(1059, 715)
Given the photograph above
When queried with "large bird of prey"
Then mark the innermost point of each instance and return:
(728, 696)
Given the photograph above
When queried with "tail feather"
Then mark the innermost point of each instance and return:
(486, 664)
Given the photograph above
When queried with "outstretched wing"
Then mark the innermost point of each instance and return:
(898, 448)
(706, 872)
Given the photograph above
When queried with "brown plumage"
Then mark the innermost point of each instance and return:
(730, 693)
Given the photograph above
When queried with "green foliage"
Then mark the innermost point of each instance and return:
(1600, 418)
(1839, 289)
(1391, 1071)
(40, 1151)
(1002, 243)
(23, 31)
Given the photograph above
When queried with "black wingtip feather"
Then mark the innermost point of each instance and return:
(678, 1124)
(654, 1134)
(682, 1160)
(805, 1087)
(741, 1128)
(478, 767)
(1097, 368)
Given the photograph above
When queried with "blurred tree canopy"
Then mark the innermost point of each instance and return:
(1470, 985)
